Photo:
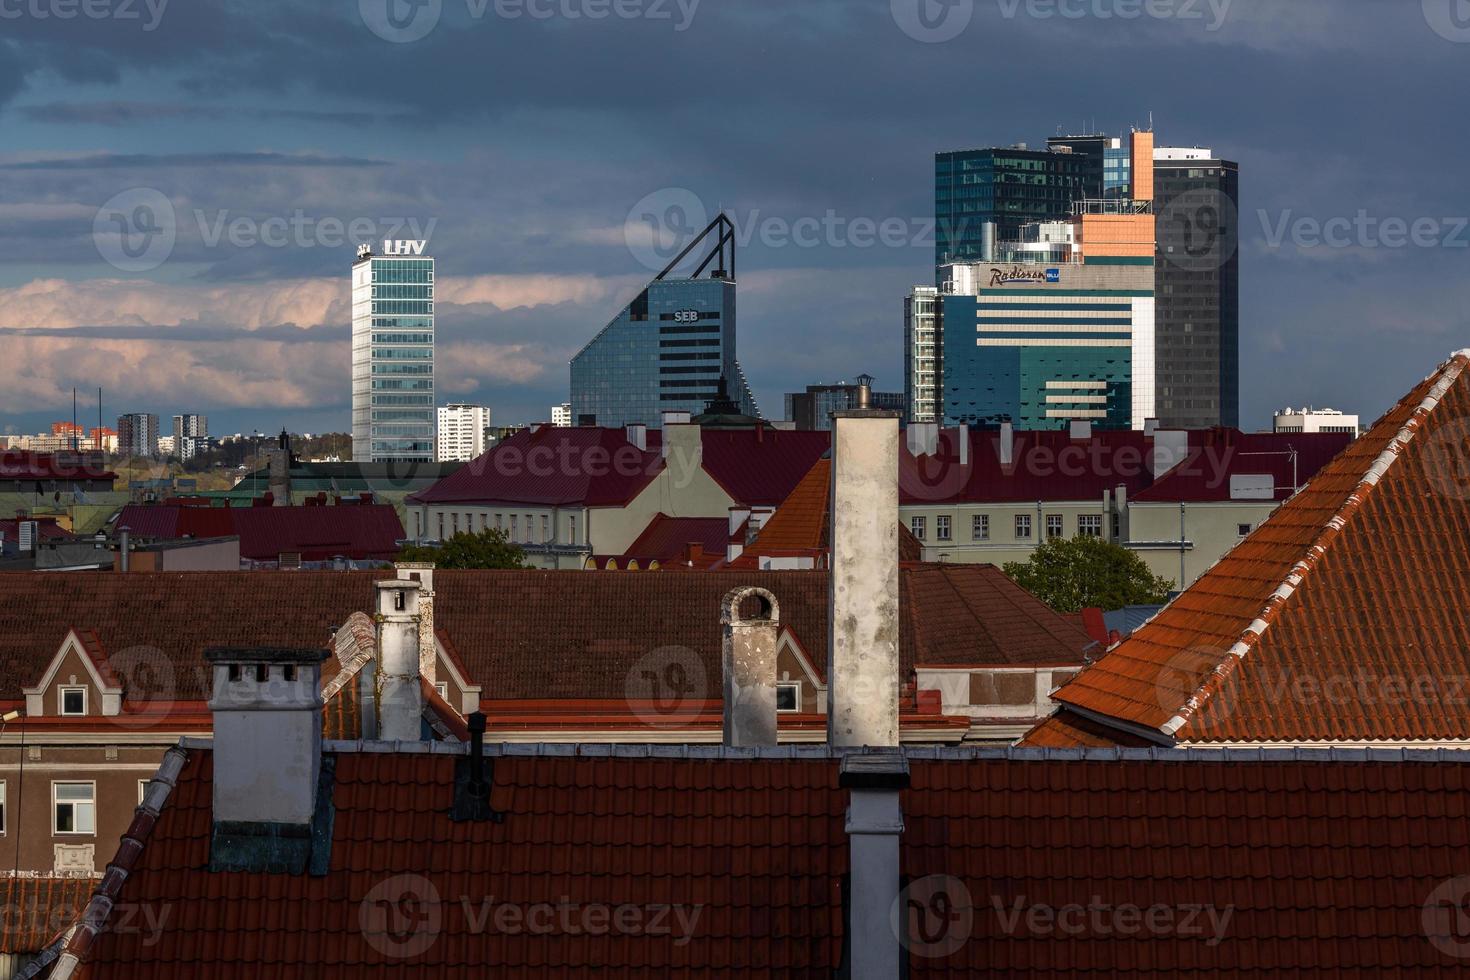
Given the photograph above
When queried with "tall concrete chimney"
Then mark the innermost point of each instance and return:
(400, 701)
(423, 574)
(862, 647)
(749, 657)
(267, 707)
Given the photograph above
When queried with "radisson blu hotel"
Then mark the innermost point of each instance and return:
(393, 415)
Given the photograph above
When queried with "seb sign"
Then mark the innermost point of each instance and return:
(403, 248)
(687, 316)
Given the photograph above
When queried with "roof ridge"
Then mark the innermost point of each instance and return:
(94, 919)
(1449, 372)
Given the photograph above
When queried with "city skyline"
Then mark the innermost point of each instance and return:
(251, 332)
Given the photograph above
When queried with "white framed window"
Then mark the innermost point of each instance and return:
(1023, 527)
(1244, 529)
(515, 528)
(71, 700)
(441, 525)
(572, 528)
(545, 529)
(142, 790)
(530, 529)
(1054, 526)
(980, 527)
(74, 807)
(919, 526)
(1089, 525)
(454, 521)
(788, 696)
(942, 528)
(442, 689)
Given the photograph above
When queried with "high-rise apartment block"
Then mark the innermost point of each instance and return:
(668, 350)
(191, 436)
(561, 415)
(463, 432)
(137, 434)
(393, 354)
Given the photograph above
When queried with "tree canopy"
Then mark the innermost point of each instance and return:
(485, 549)
(1085, 572)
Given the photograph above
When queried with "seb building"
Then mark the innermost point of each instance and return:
(393, 354)
(1059, 326)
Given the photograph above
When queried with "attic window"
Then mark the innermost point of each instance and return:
(73, 700)
(788, 696)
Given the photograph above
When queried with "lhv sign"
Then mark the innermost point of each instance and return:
(391, 247)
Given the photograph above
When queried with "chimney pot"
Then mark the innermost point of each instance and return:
(400, 705)
(749, 663)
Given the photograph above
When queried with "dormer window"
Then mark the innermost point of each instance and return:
(788, 696)
(73, 700)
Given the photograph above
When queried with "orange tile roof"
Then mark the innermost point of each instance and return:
(35, 911)
(1341, 618)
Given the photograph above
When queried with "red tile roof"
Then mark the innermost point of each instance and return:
(356, 531)
(46, 529)
(1340, 619)
(1216, 455)
(24, 465)
(35, 911)
(1051, 465)
(1043, 869)
(759, 467)
(589, 467)
(667, 538)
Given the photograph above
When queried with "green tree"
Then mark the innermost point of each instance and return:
(487, 549)
(1086, 571)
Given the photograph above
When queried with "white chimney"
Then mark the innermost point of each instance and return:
(862, 647)
(399, 701)
(1007, 445)
(267, 707)
(738, 516)
(423, 574)
(923, 438)
(748, 653)
(638, 436)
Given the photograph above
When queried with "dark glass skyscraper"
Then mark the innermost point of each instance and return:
(1008, 187)
(1198, 329)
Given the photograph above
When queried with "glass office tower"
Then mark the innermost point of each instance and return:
(1007, 187)
(392, 358)
(667, 350)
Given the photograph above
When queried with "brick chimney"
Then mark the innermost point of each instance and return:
(267, 707)
(748, 653)
(399, 699)
(862, 648)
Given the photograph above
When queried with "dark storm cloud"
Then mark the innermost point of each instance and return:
(133, 113)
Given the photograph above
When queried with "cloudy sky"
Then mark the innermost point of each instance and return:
(182, 184)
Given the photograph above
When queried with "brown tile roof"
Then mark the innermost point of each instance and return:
(1315, 870)
(35, 911)
(1069, 730)
(1341, 618)
(520, 634)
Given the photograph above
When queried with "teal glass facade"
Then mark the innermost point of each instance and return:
(393, 396)
(665, 352)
